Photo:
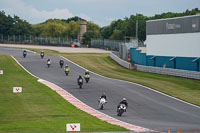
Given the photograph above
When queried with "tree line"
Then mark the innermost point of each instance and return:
(70, 28)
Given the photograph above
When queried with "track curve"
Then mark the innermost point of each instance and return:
(147, 108)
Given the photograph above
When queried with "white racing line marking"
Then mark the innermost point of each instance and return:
(79, 104)
(134, 84)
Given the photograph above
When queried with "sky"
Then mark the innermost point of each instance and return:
(101, 12)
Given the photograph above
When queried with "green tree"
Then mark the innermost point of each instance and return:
(6, 24)
(73, 30)
(87, 36)
(53, 29)
(117, 35)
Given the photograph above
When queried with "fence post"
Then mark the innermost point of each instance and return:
(19, 38)
(8, 38)
(25, 38)
(14, 38)
(1, 37)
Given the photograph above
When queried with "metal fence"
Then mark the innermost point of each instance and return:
(24, 39)
(112, 45)
(120, 48)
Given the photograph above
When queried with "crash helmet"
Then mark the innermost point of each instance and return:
(124, 99)
(66, 65)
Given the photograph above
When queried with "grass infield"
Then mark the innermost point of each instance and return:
(38, 109)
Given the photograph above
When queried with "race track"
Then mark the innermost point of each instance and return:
(147, 108)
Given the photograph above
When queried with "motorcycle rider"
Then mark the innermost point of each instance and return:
(61, 63)
(66, 69)
(87, 72)
(24, 53)
(103, 96)
(87, 76)
(48, 62)
(42, 54)
(80, 81)
(124, 101)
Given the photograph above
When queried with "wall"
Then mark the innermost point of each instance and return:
(137, 57)
(184, 63)
(159, 70)
(120, 61)
(182, 45)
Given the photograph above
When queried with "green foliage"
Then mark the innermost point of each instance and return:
(15, 25)
(53, 29)
(117, 35)
(87, 36)
(76, 18)
(74, 28)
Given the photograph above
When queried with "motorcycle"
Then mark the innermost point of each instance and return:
(80, 82)
(102, 103)
(121, 109)
(87, 78)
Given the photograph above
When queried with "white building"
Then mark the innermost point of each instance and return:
(174, 37)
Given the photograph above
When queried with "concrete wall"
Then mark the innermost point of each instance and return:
(120, 61)
(169, 71)
(182, 45)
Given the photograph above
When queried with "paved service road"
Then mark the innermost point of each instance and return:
(147, 108)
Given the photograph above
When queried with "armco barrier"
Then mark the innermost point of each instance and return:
(158, 70)
(120, 61)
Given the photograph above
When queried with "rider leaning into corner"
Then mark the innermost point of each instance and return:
(124, 101)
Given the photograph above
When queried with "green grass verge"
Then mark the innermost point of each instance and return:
(181, 88)
(38, 109)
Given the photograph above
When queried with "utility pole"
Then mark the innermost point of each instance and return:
(136, 32)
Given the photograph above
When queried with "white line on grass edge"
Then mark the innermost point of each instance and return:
(39, 79)
(134, 84)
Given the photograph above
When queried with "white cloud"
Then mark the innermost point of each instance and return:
(34, 15)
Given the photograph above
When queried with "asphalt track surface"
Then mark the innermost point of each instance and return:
(147, 108)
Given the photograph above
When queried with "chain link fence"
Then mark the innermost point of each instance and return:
(24, 39)
(120, 48)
